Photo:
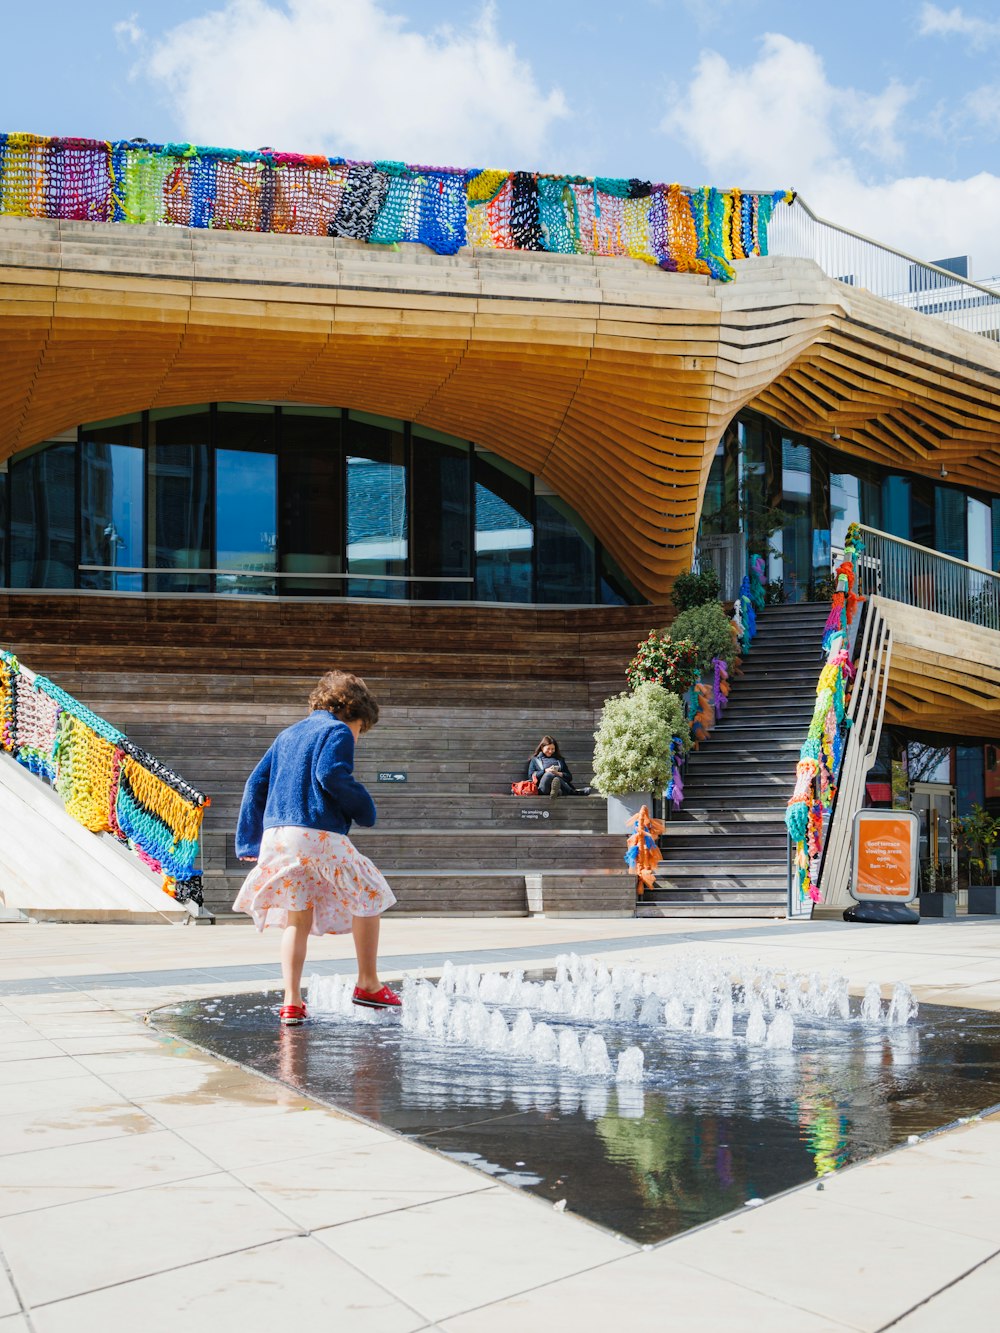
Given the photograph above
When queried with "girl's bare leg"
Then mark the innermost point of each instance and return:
(294, 943)
(365, 930)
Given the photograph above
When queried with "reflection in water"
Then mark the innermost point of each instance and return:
(714, 1124)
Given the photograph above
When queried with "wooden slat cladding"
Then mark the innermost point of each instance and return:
(944, 675)
(611, 380)
(65, 632)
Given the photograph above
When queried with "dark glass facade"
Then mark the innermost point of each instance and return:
(792, 499)
(254, 499)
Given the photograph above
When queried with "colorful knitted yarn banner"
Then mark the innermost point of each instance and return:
(385, 203)
(108, 784)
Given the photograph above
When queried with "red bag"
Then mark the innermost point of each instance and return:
(527, 788)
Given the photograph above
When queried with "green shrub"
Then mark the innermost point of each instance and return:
(695, 589)
(709, 628)
(632, 743)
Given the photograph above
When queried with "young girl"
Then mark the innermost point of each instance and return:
(297, 809)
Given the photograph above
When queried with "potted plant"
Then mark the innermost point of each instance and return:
(978, 832)
(937, 896)
(632, 754)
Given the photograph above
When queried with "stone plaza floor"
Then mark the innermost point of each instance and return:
(145, 1184)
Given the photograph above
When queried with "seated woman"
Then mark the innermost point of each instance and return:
(552, 771)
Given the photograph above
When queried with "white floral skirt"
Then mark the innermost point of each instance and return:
(299, 868)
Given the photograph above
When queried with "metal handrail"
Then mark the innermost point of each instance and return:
(901, 571)
(184, 571)
(859, 261)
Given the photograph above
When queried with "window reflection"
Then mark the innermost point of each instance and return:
(179, 488)
(442, 515)
(246, 533)
(311, 487)
(3, 529)
(503, 531)
(112, 466)
(564, 553)
(377, 528)
(246, 478)
(845, 506)
(43, 518)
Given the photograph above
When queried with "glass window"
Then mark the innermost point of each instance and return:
(821, 539)
(246, 480)
(503, 531)
(3, 528)
(979, 521)
(43, 518)
(564, 553)
(845, 506)
(871, 501)
(797, 533)
(245, 524)
(922, 512)
(720, 510)
(970, 777)
(377, 518)
(928, 763)
(896, 506)
(995, 506)
(112, 466)
(442, 515)
(311, 488)
(949, 522)
(616, 589)
(179, 483)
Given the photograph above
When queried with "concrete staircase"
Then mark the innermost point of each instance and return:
(725, 852)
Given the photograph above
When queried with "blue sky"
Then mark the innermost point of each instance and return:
(885, 115)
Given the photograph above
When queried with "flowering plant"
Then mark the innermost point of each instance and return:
(672, 663)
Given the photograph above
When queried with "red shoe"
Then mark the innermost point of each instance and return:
(292, 1015)
(377, 999)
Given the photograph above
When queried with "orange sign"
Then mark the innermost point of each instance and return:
(885, 855)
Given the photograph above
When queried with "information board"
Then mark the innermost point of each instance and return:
(884, 859)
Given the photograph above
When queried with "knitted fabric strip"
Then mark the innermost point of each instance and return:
(36, 719)
(365, 191)
(8, 672)
(387, 203)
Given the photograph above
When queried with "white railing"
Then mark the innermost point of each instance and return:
(861, 739)
(904, 572)
(856, 260)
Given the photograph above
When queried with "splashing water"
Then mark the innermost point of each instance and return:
(781, 1033)
(756, 1033)
(630, 1066)
(871, 1006)
(902, 1006)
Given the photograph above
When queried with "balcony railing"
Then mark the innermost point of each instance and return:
(904, 572)
(856, 260)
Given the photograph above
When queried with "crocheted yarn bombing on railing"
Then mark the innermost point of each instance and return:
(107, 783)
(384, 203)
(819, 758)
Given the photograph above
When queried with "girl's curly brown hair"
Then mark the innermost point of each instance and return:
(347, 696)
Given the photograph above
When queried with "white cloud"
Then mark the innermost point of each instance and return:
(128, 33)
(937, 22)
(780, 122)
(348, 77)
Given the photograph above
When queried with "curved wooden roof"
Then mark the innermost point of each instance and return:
(610, 379)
